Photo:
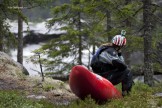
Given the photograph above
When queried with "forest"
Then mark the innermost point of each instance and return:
(88, 24)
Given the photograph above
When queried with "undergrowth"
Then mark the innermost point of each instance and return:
(141, 96)
(15, 99)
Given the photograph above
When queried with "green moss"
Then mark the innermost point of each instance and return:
(14, 99)
(48, 87)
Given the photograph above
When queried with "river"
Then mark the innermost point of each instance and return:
(27, 50)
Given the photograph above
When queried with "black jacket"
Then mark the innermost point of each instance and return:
(107, 59)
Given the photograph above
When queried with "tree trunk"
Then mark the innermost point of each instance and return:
(147, 20)
(1, 42)
(80, 40)
(20, 37)
(1, 35)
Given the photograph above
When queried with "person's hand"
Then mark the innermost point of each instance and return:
(119, 52)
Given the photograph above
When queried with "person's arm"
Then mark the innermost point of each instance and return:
(119, 64)
(120, 56)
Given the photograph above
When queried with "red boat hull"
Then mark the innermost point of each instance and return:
(84, 82)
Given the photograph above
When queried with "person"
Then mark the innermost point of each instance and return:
(109, 63)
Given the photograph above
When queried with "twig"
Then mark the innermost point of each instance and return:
(36, 71)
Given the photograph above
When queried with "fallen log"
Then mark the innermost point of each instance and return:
(59, 77)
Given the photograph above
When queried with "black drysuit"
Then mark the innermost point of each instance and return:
(110, 64)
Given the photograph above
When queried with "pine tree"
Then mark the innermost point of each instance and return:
(86, 24)
(68, 46)
(6, 37)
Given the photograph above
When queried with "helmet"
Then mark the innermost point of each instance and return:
(119, 40)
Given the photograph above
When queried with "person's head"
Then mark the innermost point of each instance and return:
(119, 41)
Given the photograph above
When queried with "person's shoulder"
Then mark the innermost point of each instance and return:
(108, 47)
(111, 51)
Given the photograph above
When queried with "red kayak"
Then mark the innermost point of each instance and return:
(84, 82)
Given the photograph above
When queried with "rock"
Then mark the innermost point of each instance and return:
(24, 70)
(158, 95)
(35, 38)
(157, 78)
(10, 67)
(36, 97)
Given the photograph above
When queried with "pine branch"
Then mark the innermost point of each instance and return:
(157, 6)
(4, 12)
(137, 11)
(157, 58)
(32, 6)
(36, 71)
(158, 19)
(141, 30)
